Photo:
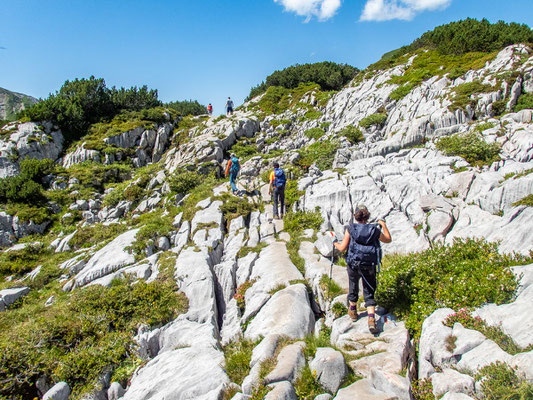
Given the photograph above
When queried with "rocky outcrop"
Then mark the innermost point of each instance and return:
(28, 140)
(471, 351)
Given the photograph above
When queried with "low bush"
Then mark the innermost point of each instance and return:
(152, 225)
(240, 293)
(468, 273)
(306, 385)
(296, 222)
(339, 310)
(321, 153)
(314, 133)
(471, 147)
(18, 262)
(238, 356)
(373, 119)
(353, 134)
(312, 115)
(525, 201)
(525, 101)
(80, 335)
(401, 91)
(94, 235)
(183, 181)
(500, 381)
(234, 207)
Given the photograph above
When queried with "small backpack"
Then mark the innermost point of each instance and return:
(279, 177)
(364, 248)
(235, 166)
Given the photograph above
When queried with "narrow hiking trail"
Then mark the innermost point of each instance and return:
(283, 308)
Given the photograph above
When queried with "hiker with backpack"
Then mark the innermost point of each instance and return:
(229, 106)
(232, 169)
(364, 255)
(210, 109)
(277, 182)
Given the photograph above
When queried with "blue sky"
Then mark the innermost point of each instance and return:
(211, 49)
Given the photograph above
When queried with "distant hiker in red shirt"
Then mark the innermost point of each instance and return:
(233, 169)
(210, 109)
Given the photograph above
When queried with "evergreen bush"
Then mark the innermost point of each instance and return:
(471, 147)
(468, 273)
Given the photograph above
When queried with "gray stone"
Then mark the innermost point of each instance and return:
(389, 382)
(450, 380)
(10, 296)
(363, 389)
(486, 353)
(108, 259)
(281, 391)
(115, 391)
(290, 362)
(60, 391)
(329, 367)
(432, 348)
(287, 313)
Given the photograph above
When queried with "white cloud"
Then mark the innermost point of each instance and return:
(385, 10)
(322, 9)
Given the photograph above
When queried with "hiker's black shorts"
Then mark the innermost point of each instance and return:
(368, 274)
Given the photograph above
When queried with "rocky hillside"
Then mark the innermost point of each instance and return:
(130, 271)
(11, 103)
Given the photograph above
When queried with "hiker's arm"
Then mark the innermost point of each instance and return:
(344, 244)
(385, 234)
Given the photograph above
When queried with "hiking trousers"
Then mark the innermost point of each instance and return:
(232, 178)
(368, 275)
(279, 196)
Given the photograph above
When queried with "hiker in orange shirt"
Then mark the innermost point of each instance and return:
(277, 182)
(232, 169)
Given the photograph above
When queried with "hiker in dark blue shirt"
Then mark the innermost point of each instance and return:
(364, 254)
(277, 182)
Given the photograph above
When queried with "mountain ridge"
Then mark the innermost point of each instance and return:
(12, 102)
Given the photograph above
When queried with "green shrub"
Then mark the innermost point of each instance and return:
(312, 115)
(373, 119)
(500, 381)
(471, 147)
(463, 93)
(339, 310)
(187, 107)
(306, 386)
(314, 133)
(422, 389)
(328, 75)
(296, 222)
(183, 181)
(152, 225)
(352, 133)
(21, 261)
(525, 201)
(240, 292)
(233, 207)
(243, 149)
(94, 235)
(238, 356)
(525, 101)
(468, 273)
(499, 107)
(401, 91)
(80, 335)
(321, 153)
(292, 194)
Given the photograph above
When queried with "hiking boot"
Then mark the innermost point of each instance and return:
(352, 311)
(372, 324)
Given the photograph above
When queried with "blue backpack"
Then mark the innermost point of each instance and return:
(364, 248)
(279, 177)
(235, 166)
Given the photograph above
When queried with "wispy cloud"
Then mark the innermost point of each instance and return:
(385, 10)
(321, 9)
(3, 48)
